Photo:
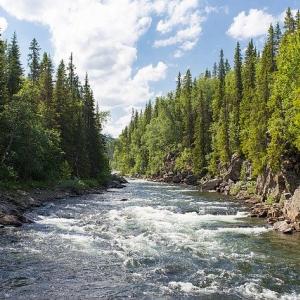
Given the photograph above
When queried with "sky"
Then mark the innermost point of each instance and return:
(134, 49)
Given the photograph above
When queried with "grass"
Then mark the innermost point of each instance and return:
(73, 184)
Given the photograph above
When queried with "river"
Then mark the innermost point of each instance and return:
(165, 242)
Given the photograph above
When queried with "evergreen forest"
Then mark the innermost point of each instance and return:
(50, 126)
(250, 109)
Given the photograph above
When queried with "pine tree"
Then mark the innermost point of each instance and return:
(15, 71)
(3, 74)
(278, 36)
(199, 152)
(46, 89)
(187, 110)
(238, 96)
(215, 70)
(284, 104)
(258, 126)
(298, 20)
(34, 61)
(227, 66)
(249, 85)
(224, 112)
(46, 79)
(289, 22)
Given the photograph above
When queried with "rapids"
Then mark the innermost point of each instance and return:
(165, 242)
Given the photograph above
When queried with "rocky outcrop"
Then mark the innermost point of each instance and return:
(271, 186)
(291, 208)
(210, 184)
(233, 172)
(281, 185)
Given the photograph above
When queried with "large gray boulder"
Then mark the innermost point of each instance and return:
(283, 226)
(211, 184)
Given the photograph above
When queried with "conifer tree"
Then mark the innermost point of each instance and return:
(201, 130)
(297, 20)
(34, 61)
(249, 81)
(15, 71)
(278, 36)
(46, 89)
(258, 126)
(238, 96)
(187, 110)
(3, 74)
(215, 70)
(224, 112)
(289, 22)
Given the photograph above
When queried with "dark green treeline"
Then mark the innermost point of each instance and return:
(251, 109)
(50, 128)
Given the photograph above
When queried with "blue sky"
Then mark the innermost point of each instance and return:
(133, 50)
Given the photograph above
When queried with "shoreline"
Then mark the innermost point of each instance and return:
(282, 216)
(16, 202)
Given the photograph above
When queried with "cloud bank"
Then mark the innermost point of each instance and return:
(103, 36)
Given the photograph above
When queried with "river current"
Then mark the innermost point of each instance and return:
(165, 242)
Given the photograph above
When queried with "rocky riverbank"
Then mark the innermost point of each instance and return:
(275, 197)
(15, 203)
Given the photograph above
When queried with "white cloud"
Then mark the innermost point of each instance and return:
(3, 24)
(185, 18)
(103, 37)
(253, 24)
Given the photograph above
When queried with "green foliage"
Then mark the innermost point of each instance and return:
(48, 131)
(184, 161)
(252, 110)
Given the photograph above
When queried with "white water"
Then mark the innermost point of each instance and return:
(164, 242)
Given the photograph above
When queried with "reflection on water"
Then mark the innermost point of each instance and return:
(165, 242)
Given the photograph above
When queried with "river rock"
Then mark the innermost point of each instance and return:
(118, 178)
(234, 170)
(115, 185)
(292, 207)
(283, 226)
(211, 184)
(190, 180)
(10, 220)
(176, 179)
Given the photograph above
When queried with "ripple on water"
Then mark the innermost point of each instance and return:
(164, 242)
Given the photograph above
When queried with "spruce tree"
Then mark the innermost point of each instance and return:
(46, 89)
(187, 110)
(258, 126)
(224, 147)
(215, 70)
(249, 85)
(298, 20)
(34, 61)
(238, 96)
(289, 22)
(199, 152)
(278, 36)
(3, 74)
(46, 79)
(15, 71)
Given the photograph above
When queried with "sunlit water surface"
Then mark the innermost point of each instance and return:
(165, 242)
